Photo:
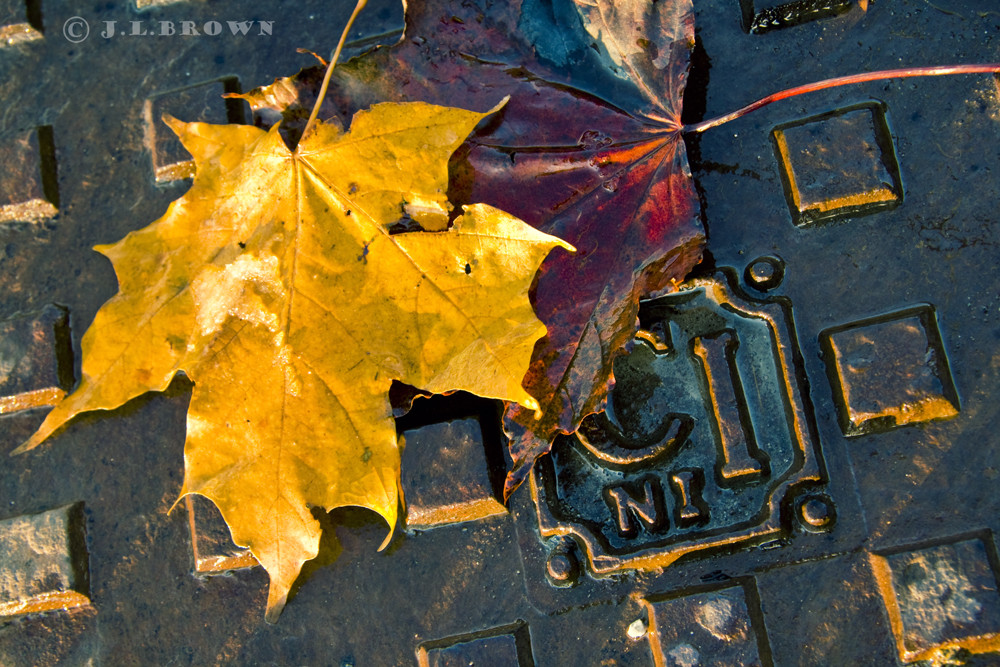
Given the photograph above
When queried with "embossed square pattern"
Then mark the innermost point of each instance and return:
(838, 164)
(941, 598)
(890, 371)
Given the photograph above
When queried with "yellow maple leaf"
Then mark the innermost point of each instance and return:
(275, 285)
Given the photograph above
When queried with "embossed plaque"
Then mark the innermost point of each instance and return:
(704, 436)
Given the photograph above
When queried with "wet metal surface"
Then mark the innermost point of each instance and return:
(799, 463)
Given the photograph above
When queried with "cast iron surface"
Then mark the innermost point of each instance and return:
(863, 218)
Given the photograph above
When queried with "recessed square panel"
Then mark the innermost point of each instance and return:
(446, 475)
(36, 359)
(941, 597)
(838, 164)
(705, 628)
(890, 371)
(506, 646)
(763, 16)
(28, 184)
(211, 545)
(203, 102)
(143, 4)
(20, 21)
(43, 562)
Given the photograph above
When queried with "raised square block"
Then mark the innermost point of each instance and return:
(889, 371)
(838, 164)
(201, 102)
(506, 646)
(446, 475)
(20, 21)
(143, 4)
(766, 15)
(211, 545)
(705, 628)
(28, 185)
(43, 562)
(36, 359)
(941, 598)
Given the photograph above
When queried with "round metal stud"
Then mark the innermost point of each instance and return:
(817, 513)
(764, 273)
(562, 566)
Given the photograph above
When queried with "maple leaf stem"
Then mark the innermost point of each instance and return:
(843, 81)
(329, 68)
